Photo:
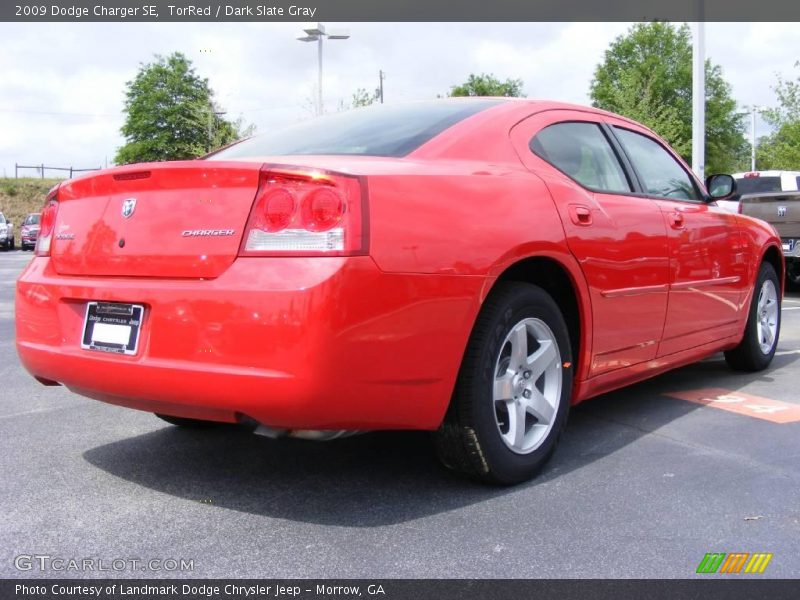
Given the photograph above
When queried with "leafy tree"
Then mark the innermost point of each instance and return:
(487, 85)
(781, 149)
(171, 114)
(647, 75)
(361, 97)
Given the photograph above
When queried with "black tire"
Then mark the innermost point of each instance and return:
(792, 276)
(749, 355)
(189, 423)
(470, 439)
(12, 243)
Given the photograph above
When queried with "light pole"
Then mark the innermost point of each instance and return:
(316, 34)
(754, 109)
(699, 95)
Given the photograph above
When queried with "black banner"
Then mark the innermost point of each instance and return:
(398, 589)
(400, 10)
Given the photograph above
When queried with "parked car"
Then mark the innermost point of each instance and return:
(471, 267)
(29, 231)
(6, 233)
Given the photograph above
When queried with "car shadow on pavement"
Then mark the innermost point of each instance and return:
(383, 478)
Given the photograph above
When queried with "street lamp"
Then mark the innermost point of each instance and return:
(316, 34)
(753, 109)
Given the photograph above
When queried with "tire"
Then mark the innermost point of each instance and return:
(755, 351)
(189, 423)
(12, 243)
(480, 436)
(792, 276)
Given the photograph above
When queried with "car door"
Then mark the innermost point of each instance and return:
(618, 238)
(707, 259)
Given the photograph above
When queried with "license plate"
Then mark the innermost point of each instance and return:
(112, 327)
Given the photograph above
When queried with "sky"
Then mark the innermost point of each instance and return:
(62, 85)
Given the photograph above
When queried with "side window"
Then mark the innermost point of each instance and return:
(581, 151)
(661, 174)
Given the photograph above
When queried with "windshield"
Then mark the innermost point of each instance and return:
(32, 220)
(377, 130)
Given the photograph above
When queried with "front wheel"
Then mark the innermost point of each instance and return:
(763, 328)
(513, 389)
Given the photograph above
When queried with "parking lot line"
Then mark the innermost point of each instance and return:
(743, 404)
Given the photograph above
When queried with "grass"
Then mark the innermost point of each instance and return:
(19, 197)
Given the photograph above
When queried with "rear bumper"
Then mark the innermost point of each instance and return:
(299, 343)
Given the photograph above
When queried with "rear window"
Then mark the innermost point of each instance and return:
(378, 130)
(757, 185)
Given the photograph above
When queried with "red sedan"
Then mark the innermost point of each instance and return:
(469, 266)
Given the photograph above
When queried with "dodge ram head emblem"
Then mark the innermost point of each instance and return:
(781, 211)
(128, 206)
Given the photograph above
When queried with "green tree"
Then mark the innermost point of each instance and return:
(487, 85)
(646, 75)
(171, 114)
(781, 148)
(362, 97)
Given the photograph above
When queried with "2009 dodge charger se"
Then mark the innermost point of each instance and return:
(470, 266)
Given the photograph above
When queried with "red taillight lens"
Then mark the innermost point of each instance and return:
(306, 213)
(47, 223)
(276, 210)
(322, 210)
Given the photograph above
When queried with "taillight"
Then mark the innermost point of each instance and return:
(307, 213)
(47, 223)
(739, 207)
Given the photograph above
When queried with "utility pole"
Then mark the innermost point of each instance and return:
(381, 76)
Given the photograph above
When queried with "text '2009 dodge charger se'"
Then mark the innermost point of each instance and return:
(470, 266)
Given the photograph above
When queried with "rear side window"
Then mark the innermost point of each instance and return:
(581, 151)
(380, 130)
(758, 185)
(660, 173)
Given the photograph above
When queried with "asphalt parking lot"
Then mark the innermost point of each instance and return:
(643, 485)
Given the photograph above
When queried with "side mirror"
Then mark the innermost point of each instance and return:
(720, 187)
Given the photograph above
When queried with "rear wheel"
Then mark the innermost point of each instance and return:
(763, 328)
(189, 423)
(513, 390)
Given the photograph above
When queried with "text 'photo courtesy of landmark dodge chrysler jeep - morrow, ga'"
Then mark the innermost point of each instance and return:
(471, 267)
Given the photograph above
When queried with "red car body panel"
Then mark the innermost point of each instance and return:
(375, 341)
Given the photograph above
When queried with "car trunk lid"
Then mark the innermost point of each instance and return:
(173, 219)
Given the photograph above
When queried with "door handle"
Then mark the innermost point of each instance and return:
(676, 220)
(580, 215)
